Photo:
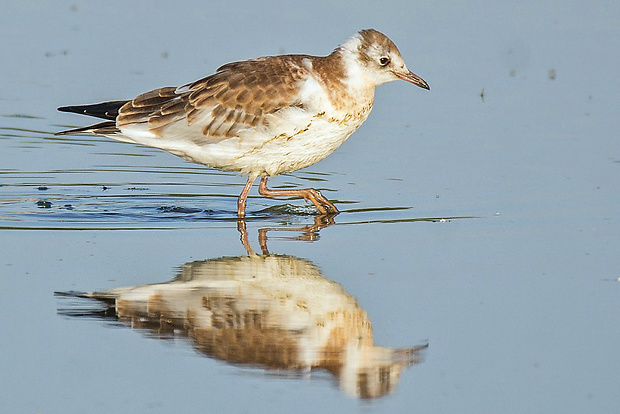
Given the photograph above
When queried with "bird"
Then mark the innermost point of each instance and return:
(260, 117)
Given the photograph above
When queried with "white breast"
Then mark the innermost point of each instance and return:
(299, 137)
(294, 139)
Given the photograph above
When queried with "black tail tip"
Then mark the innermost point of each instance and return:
(67, 109)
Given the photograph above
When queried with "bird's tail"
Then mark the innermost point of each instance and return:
(103, 110)
(103, 128)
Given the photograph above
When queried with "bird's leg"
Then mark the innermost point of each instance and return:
(243, 197)
(321, 203)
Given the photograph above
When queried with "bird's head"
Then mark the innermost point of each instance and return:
(374, 56)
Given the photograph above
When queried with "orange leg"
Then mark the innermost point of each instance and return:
(321, 203)
(243, 197)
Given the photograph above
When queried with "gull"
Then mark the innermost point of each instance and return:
(261, 117)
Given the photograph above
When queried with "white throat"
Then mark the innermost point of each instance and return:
(358, 82)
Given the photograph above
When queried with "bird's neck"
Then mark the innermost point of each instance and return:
(347, 87)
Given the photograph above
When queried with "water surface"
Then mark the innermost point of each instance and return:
(474, 267)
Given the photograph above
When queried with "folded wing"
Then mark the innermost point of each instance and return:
(238, 96)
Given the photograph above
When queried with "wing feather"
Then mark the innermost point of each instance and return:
(240, 95)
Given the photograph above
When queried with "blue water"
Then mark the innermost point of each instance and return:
(479, 218)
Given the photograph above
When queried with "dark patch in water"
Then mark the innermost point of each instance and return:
(44, 204)
(290, 210)
(182, 210)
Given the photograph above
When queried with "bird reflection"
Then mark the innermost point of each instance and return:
(272, 311)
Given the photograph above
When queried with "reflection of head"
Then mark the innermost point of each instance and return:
(273, 311)
(377, 372)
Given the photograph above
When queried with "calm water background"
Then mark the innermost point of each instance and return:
(516, 146)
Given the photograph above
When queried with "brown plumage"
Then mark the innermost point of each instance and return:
(264, 116)
(239, 95)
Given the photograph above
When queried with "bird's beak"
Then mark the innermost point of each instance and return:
(413, 78)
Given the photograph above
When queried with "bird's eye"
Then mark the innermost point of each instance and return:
(384, 60)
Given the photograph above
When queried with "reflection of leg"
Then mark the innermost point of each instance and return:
(241, 227)
(243, 197)
(308, 233)
(262, 240)
(321, 203)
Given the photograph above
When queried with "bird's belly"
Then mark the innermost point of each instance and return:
(290, 153)
(262, 153)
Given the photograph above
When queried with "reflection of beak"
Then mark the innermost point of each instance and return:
(413, 78)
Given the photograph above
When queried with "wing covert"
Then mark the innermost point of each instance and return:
(238, 96)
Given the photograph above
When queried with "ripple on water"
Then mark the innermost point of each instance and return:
(93, 192)
(136, 206)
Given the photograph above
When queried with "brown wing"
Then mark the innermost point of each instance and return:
(236, 97)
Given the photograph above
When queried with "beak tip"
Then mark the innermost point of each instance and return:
(415, 79)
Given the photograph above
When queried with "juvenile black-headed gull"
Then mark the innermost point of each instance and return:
(261, 117)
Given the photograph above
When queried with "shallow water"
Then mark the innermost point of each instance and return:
(474, 267)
